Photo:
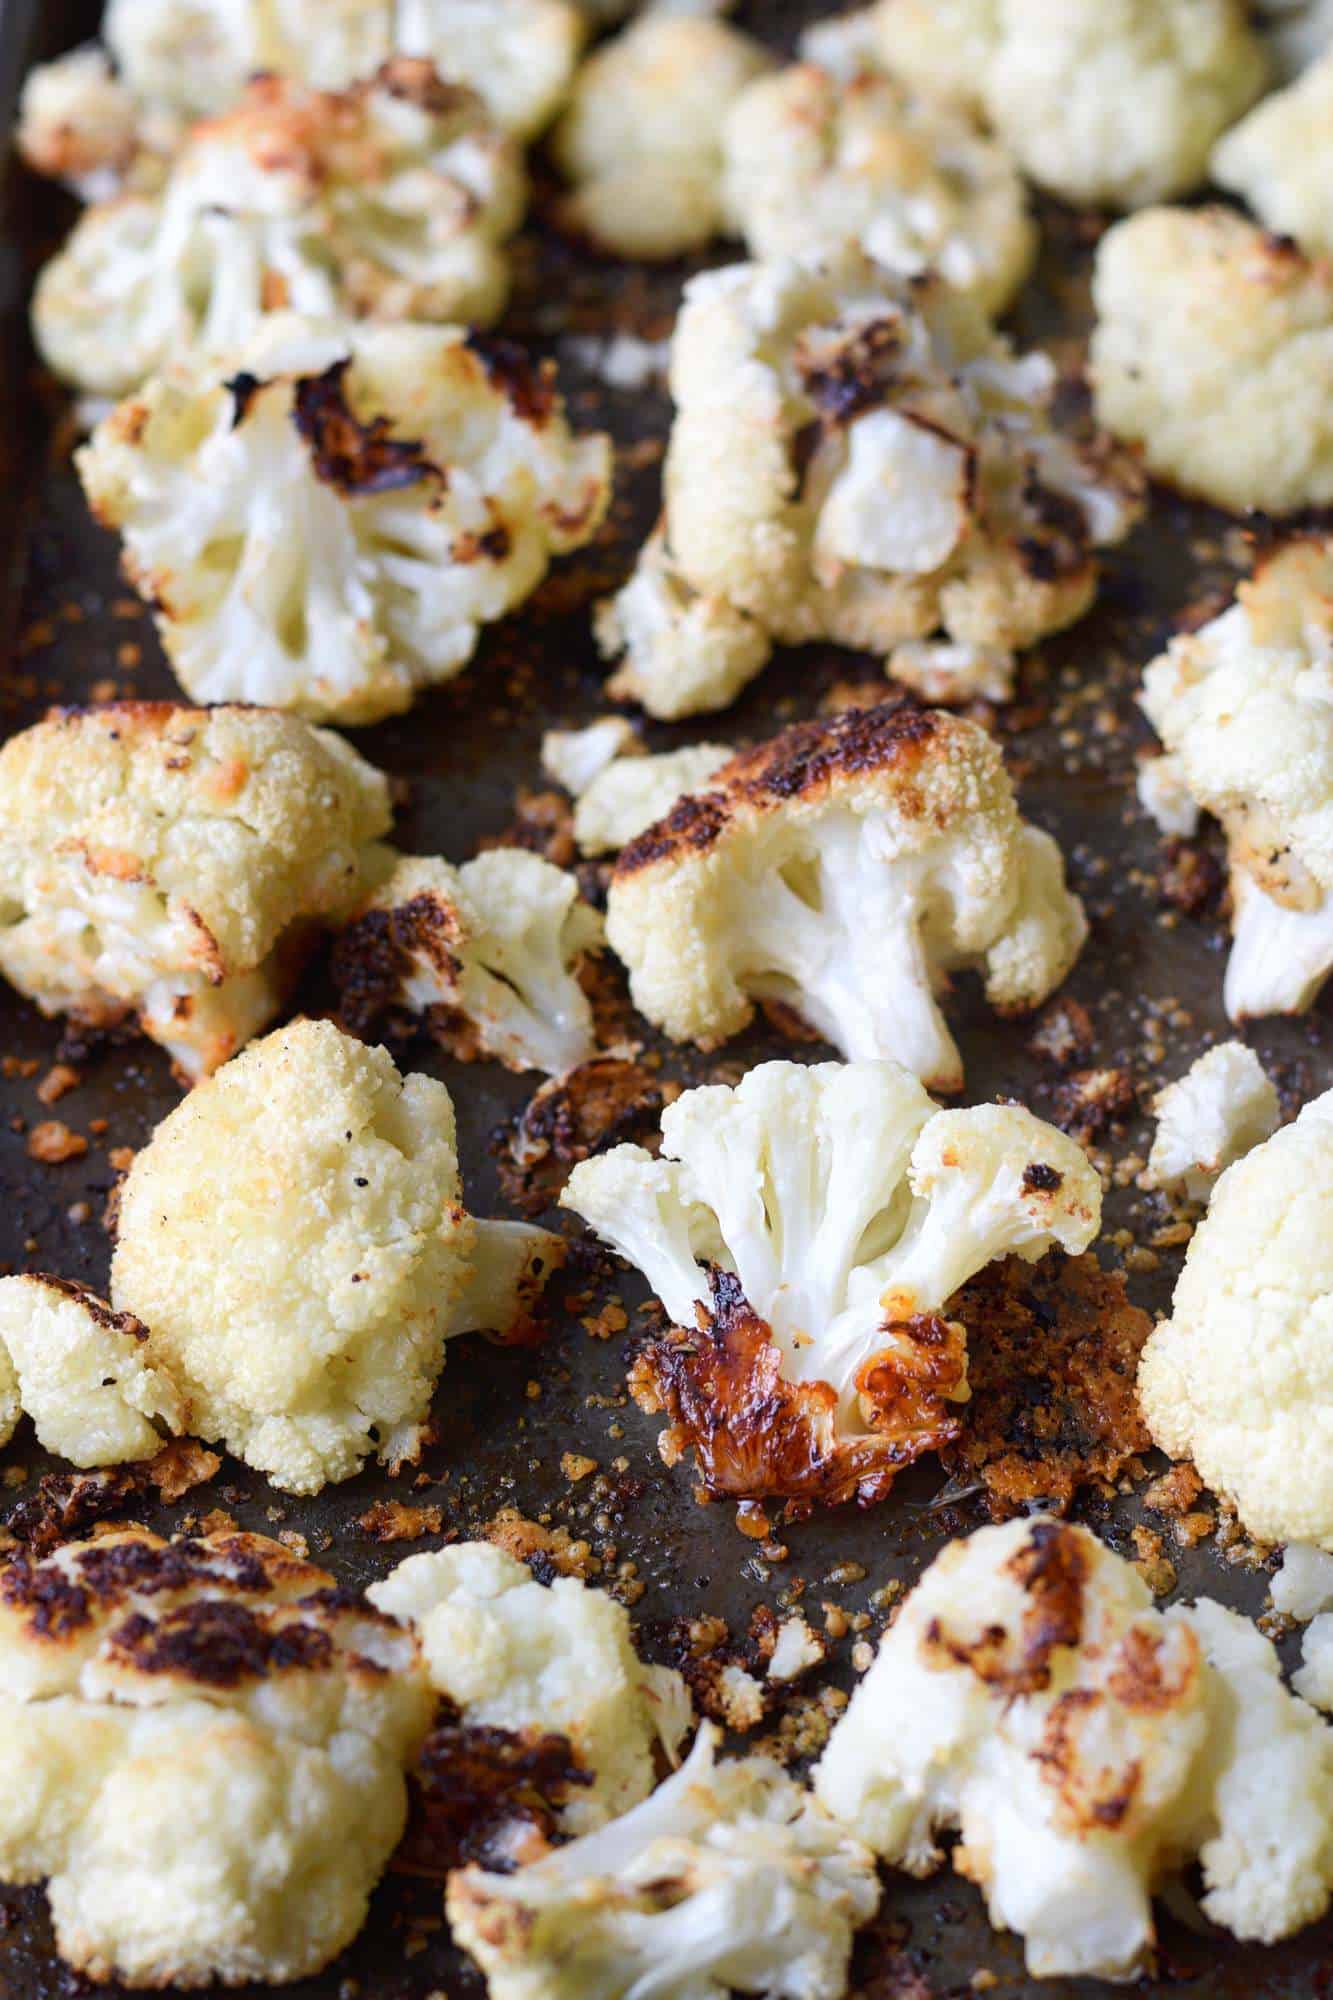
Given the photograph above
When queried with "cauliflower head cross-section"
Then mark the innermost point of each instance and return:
(805, 1232)
(82, 1373)
(844, 869)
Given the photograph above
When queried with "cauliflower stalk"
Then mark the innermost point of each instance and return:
(845, 869)
(328, 528)
(82, 1373)
(1085, 1746)
(729, 1879)
(805, 1232)
(1222, 1108)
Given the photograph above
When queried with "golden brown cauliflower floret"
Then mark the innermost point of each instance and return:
(1280, 159)
(202, 1747)
(167, 864)
(82, 1373)
(1213, 352)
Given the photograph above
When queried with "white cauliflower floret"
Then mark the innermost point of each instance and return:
(77, 123)
(294, 1238)
(1222, 1108)
(518, 55)
(812, 165)
(1086, 1746)
(845, 868)
(1245, 708)
(575, 757)
(729, 1879)
(328, 528)
(1303, 1588)
(171, 864)
(626, 798)
(804, 1232)
(641, 140)
(203, 1749)
(1240, 1378)
(1280, 158)
(521, 1656)
(392, 199)
(856, 456)
(1200, 310)
(489, 953)
(1165, 796)
(83, 1374)
(195, 57)
(685, 651)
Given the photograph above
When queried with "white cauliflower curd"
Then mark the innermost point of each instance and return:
(682, 651)
(520, 56)
(632, 793)
(391, 200)
(202, 1749)
(641, 140)
(78, 123)
(294, 1238)
(844, 869)
(326, 523)
(813, 164)
(1222, 1108)
(1280, 158)
(805, 1232)
(82, 1373)
(729, 1879)
(1303, 1589)
(1086, 1747)
(528, 1658)
(1245, 709)
(1200, 310)
(575, 757)
(1240, 1378)
(169, 865)
(489, 954)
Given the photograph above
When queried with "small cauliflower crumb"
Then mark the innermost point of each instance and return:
(1222, 1108)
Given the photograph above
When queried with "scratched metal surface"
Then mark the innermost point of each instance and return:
(462, 753)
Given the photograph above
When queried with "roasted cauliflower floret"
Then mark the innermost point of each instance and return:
(82, 1373)
(489, 953)
(294, 1238)
(805, 1232)
(641, 140)
(78, 123)
(1086, 1746)
(328, 528)
(195, 57)
(1245, 709)
(1240, 1378)
(845, 868)
(682, 651)
(1303, 1588)
(1280, 159)
(518, 55)
(516, 1655)
(632, 793)
(813, 164)
(391, 200)
(575, 757)
(1222, 1108)
(1296, 32)
(203, 1748)
(167, 864)
(729, 1879)
(1200, 310)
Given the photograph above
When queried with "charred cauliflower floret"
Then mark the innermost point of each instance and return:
(327, 523)
(82, 1373)
(1240, 1378)
(294, 1238)
(391, 200)
(813, 164)
(729, 1879)
(527, 1658)
(489, 954)
(1245, 709)
(168, 864)
(844, 869)
(1222, 1108)
(632, 793)
(641, 140)
(682, 651)
(804, 1232)
(202, 1747)
(1280, 158)
(1199, 310)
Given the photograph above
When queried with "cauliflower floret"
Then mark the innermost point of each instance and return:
(857, 456)
(686, 652)
(328, 528)
(518, 55)
(204, 1751)
(1166, 797)
(1200, 310)
(1303, 1588)
(1280, 159)
(489, 953)
(729, 1879)
(575, 757)
(82, 1373)
(1222, 1108)
(943, 47)
(293, 1237)
(171, 863)
(392, 199)
(520, 1656)
(845, 868)
(1245, 708)
(632, 793)
(642, 138)
(1240, 1378)
(1085, 1745)
(78, 123)
(195, 57)
(812, 165)
(804, 1232)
